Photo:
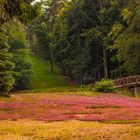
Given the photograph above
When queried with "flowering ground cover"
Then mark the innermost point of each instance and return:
(69, 117)
(50, 107)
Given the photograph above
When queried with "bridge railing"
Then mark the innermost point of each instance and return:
(127, 81)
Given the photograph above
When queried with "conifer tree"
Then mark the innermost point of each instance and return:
(6, 65)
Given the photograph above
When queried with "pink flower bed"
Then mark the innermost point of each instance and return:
(57, 108)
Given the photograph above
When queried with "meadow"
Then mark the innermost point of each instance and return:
(51, 116)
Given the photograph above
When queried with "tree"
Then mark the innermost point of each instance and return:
(86, 24)
(6, 65)
(125, 34)
(24, 10)
(19, 47)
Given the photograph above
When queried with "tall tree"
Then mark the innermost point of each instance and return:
(125, 34)
(6, 65)
(24, 10)
(87, 25)
(19, 47)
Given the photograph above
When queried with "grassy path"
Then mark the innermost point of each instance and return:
(43, 79)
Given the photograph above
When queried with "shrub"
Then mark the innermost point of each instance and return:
(105, 85)
(89, 87)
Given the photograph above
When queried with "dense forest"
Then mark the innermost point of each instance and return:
(88, 39)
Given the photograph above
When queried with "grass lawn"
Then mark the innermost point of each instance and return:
(45, 80)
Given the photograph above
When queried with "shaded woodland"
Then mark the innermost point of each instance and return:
(87, 39)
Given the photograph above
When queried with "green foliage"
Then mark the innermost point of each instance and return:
(89, 87)
(82, 29)
(90, 39)
(43, 79)
(105, 85)
(126, 38)
(6, 65)
(19, 48)
(24, 10)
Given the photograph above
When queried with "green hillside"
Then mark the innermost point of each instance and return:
(43, 78)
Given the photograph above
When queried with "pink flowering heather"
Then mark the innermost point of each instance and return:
(65, 107)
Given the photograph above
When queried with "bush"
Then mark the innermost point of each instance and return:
(89, 87)
(105, 85)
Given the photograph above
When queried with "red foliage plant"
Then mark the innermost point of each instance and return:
(59, 107)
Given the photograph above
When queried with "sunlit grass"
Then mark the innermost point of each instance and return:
(67, 130)
(61, 91)
(45, 80)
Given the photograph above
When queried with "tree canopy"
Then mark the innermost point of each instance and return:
(24, 10)
(90, 39)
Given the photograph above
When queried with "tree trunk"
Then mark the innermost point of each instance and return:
(105, 63)
(51, 60)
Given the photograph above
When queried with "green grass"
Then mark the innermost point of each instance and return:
(45, 80)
